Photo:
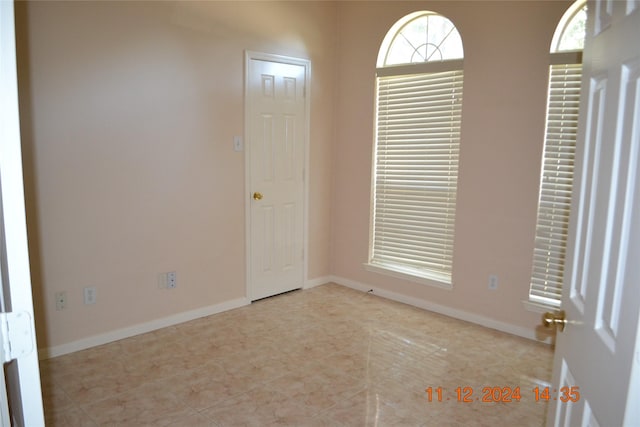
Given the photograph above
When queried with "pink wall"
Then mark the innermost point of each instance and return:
(506, 61)
(129, 111)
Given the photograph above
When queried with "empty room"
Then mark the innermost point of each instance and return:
(320, 213)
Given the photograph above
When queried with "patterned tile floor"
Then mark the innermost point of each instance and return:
(327, 356)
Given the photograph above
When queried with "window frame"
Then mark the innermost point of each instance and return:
(426, 69)
(563, 91)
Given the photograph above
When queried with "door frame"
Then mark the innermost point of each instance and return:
(23, 372)
(261, 56)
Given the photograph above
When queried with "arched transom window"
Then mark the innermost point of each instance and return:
(569, 35)
(418, 114)
(421, 37)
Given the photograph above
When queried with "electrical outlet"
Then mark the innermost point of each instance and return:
(167, 280)
(89, 295)
(493, 282)
(172, 280)
(61, 300)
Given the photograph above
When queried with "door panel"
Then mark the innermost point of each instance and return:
(599, 348)
(276, 123)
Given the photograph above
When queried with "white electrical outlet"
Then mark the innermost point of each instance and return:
(90, 295)
(61, 300)
(493, 282)
(172, 280)
(167, 280)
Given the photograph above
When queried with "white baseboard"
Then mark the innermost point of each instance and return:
(96, 340)
(441, 309)
(312, 283)
(142, 328)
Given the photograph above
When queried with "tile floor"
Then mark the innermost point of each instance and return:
(327, 356)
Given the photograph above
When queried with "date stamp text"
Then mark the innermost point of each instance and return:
(493, 394)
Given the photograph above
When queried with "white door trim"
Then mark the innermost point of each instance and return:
(249, 56)
(23, 375)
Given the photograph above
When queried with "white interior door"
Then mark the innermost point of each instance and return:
(598, 353)
(17, 332)
(276, 123)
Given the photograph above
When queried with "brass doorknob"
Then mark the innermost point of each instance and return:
(257, 196)
(557, 320)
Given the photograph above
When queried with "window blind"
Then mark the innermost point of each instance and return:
(556, 184)
(416, 171)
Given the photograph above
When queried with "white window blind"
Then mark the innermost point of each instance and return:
(416, 170)
(556, 184)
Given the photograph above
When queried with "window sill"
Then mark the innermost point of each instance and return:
(537, 307)
(399, 274)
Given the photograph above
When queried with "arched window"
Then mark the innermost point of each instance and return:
(415, 174)
(420, 37)
(556, 184)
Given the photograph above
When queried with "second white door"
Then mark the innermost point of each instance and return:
(276, 135)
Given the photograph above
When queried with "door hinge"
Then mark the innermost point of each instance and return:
(17, 336)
